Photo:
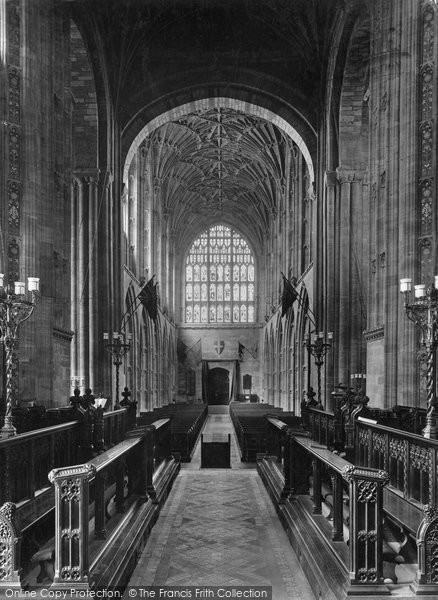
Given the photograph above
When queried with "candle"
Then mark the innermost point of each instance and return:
(420, 290)
(405, 285)
(105, 336)
(321, 335)
(436, 282)
(19, 288)
(2, 280)
(33, 284)
(330, 335)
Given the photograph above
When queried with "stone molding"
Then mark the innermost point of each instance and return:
(374, 334)
(63, 334)
(350, 175)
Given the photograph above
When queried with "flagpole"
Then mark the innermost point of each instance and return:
(131, 311)
(300, 300)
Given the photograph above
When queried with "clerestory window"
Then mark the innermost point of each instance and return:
(220, 278)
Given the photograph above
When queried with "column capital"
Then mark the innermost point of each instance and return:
(86, 175)
(330, 178)
(345, 175)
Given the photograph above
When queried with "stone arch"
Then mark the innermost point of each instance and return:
(84, 104)
(279, 354)
(348, 164)
(353, 105)
(149, 353)
(348, 77)
(221, 102)
(133, 357)
(288, 349)
(301, 359)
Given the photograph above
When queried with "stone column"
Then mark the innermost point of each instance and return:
(84, 255)
(393, 135)
(331, 275)
(92, 182)
(344, 312)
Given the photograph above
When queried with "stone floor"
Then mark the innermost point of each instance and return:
(219, 528)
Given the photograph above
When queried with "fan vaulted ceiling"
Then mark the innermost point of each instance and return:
(218, 165)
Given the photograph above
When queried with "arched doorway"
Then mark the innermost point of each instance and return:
(218, 386)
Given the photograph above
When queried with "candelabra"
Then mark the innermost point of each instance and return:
(318, 348)
(16, 306)
(117, 347)
(423, 311)
(358, 382)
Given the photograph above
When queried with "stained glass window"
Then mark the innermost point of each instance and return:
(222, 260)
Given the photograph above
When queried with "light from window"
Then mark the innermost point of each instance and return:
(220, 278)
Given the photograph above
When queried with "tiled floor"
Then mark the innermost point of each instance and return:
(219, 527)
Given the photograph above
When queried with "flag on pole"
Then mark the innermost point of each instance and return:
(149, 298)
(288, 296)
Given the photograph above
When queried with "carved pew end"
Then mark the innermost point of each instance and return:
(46, 559)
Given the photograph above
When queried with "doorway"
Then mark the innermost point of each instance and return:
(218, 386)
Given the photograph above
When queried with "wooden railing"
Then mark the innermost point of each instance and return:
(139, 468)
(104, 511)
(296, 484)
(321, 426)
(410, 500)
(411, 497)
(25, 459)
(410, 460)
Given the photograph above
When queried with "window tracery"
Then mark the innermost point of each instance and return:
(220, 278)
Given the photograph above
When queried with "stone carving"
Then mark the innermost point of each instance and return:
(13, 260)
(14, 199)
(427, 139)
(427, 91)
(426, 205)
(428, 32)
(14, 95)
(14, 135)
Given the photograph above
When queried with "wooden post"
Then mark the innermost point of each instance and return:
(71, 525)
(366, 529)
(287, 467)
(149, 449)
(10, 543)
(316, 464)
(426, 577)
(338, 508)
(120, 487)
(99, 506)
